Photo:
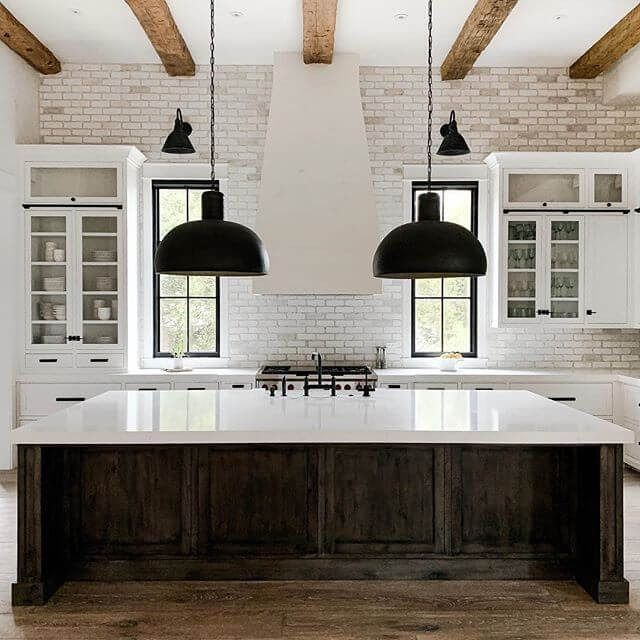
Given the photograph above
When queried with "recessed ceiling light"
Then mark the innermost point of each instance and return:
(559, 17)
(236, 14)
(76, 12)
(401, 16)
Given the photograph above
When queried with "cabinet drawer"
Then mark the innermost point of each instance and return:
(485, 386)
(235, 385)
(148, 386)
(596, 399)
(436, 386)
(195, 386)
(631, 405)
(48, 361)
(393, 385)
(43, 399)
(100, 360)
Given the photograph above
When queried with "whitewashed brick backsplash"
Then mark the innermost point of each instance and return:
(498, 110)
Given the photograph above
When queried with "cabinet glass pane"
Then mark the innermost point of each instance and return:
(522, 261)
(48, 298)
(564, 284)
(607, 187)
(99, 280)
(544, 187)
(81, 182)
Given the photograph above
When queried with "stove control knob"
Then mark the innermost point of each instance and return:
(291, 387)
(338, 387)
(265, 387)
(347, 387)
(359, 387)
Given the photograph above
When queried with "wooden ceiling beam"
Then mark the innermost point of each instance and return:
(478, 31)
(19, 39)
(319, 27)
(155, 18)
(611, 47)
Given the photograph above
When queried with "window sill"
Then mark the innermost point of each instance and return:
(434, 363)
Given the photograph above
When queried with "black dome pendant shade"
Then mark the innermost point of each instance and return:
(178, 140)
(211, 246)
(453, 144)
(429, 248)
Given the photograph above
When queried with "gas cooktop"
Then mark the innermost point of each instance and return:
(328, 370)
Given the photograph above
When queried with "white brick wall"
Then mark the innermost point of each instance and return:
(498, 110)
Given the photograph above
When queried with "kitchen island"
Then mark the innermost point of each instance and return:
(227, 485)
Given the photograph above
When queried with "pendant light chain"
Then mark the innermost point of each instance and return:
(213, 95)
(429, 93)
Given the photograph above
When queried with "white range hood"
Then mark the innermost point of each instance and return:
(316, 212)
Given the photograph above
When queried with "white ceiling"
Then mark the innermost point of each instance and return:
(107, 31)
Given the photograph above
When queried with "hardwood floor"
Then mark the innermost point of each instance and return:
(327, 610)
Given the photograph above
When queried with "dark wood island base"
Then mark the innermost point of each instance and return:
(319, 512)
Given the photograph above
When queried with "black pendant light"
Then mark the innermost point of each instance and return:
(178, 140)
(212, 246)
(429, 248)
(453, 144)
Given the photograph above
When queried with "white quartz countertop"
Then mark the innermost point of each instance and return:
(229, 417)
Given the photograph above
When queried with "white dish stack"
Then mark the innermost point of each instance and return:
(53, 283)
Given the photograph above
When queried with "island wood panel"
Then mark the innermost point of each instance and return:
(485, 475)
(135, 501)
(384, 499)
(287, 512)
(259, 501)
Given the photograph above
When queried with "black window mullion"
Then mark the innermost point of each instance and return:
(188, 186)
(443, 188)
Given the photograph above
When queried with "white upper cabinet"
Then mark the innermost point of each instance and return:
(66, 183)
(77, 200)
(561, 233)
(607, 272)
(607, 189)
(544, 188)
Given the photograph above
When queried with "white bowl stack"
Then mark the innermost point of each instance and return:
(53, 283)
(100, 255)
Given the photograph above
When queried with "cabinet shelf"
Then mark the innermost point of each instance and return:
(521, 299)
(99, 234)
(42, 263)
(49, 293)
(99, 322)
(99, 293)
(554, 270)
(48, 322)
(48, 234)
(95, 263)
(554, 299)
(532, 241)
(521, 270)
(565, 242)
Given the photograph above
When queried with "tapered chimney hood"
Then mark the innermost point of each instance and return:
(316, 211)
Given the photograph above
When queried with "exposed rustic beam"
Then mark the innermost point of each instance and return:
(610, 48)
(18, 38)
(319, 30)
(161, 29)
(478, 31)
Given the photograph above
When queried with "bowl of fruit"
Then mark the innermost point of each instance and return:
(450, 361)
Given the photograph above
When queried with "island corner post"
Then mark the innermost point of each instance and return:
(305, 512)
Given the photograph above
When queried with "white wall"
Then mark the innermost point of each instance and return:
(622, 81)
(19, 115)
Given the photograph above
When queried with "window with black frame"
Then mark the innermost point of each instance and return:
(186, 310)
(444, 310)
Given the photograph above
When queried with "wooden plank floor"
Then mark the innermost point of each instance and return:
(328, 610)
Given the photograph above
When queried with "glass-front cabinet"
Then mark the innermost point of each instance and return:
(543, 267)
(66, 183)
(75, 272)
(545, 188)
(608, 188)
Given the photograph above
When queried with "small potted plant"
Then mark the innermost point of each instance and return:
(178, 354)
(450, 361)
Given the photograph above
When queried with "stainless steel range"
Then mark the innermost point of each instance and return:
(338, 379)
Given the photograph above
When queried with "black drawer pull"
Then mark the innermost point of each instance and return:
(70, 399)
(99, 360)
(394, 386)
(436, 389)
(48, 360)
(147, 389)
(237, 386)
(563, 399)
(196, 389)
(484, 388)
